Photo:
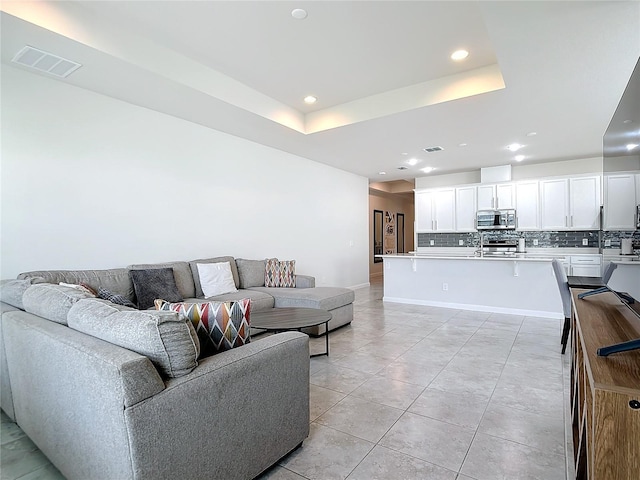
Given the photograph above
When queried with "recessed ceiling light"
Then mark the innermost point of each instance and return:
(519, 158)
(532, 134)
(459, 55)
(299, 13)
(402, 167)
(310, 99)
(427, 169)
(628, 121)
(413, 161)
(382, 173)
(404, 153)
(514, 147)
(631, 146)
(462, 144)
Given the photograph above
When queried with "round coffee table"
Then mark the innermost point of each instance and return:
(292, 318)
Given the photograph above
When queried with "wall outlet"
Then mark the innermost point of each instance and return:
(432, 242)
(535, 242)
(607, 243)
(461, 242)
(445, 287)
(585, 242)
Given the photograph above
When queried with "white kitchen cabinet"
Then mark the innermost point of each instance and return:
(435, 210)
(501, 195)
(554, 204)
(528, 205)
(466, 209)
(570, 203)
(620, 202)
(584, 203)
(585, 265)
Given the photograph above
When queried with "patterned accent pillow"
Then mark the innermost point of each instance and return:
(272, 273)
(105, 294)
(220, 325)
(287, 272)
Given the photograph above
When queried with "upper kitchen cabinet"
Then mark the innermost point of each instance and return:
(466, 209)
(527, 205)
(501, 195)
(435, 210)
(570, 203)
(620, 201)
(584, 203)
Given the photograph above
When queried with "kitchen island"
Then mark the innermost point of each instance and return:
(519, 284)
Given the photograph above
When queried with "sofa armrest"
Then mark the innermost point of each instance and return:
(305, 281)
(233, 416)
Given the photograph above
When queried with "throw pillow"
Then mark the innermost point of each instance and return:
(154, 283)
(272, 272)
(220, 326)
(105, 294)
(215, 279)
(288, 273)
(251, 272)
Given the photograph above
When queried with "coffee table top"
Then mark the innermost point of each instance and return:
(289, 318)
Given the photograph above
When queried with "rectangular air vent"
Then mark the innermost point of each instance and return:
(45, 62)
(433, 149)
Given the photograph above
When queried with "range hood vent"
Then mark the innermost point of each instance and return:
(45, 62)
(495, 174)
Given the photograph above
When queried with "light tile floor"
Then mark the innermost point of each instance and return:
(412, 392)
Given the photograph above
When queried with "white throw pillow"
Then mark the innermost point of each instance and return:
(216, 278)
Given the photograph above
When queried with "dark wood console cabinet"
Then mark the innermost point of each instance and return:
(605, 391)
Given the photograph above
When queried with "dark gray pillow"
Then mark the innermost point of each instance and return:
(105, 294)
(154, 283)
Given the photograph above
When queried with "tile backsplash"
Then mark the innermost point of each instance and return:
(546, 239)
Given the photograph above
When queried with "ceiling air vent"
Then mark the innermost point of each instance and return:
(45, 62)
(433, 149)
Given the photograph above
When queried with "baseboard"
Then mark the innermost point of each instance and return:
(362, 285)
(477, 308)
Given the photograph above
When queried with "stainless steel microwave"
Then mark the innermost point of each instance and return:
(496, 219)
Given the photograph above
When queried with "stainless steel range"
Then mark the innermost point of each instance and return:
(498, 248)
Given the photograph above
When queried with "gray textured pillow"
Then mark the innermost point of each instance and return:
(251, 272)
(154, 283)
(52, 302)
(11, 291)
(168, 339)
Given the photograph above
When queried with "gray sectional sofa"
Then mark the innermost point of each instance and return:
(109, 392)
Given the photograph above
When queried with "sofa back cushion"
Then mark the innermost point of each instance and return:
(167, 338)
(52, 302)
(11, 291)
(181, 273)
(196, 276)
(116, 279)
(251, 272)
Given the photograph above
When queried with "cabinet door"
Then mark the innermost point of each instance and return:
(424, 212)
(619, 202)
(486, 197)
(584, 203)
(527, 206)
(585, 270)
(505, 195)
(466, 209)
(444, 210)
(554, 204)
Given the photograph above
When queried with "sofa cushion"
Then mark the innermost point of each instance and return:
(326, 298)
(216, 278)
(220, 325)
(196, 279)
(116, 279)
(166, 338)
(251, 272)
(105, 294)
(11, 291)
(181, 273)
(52, 302)
(154, 283)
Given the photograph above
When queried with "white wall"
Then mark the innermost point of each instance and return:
(92, 182)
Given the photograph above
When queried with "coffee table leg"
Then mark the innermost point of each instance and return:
(326, 336)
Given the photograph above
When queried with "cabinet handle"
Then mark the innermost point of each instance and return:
(572, 220)
(566, 220)
(436, 224)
